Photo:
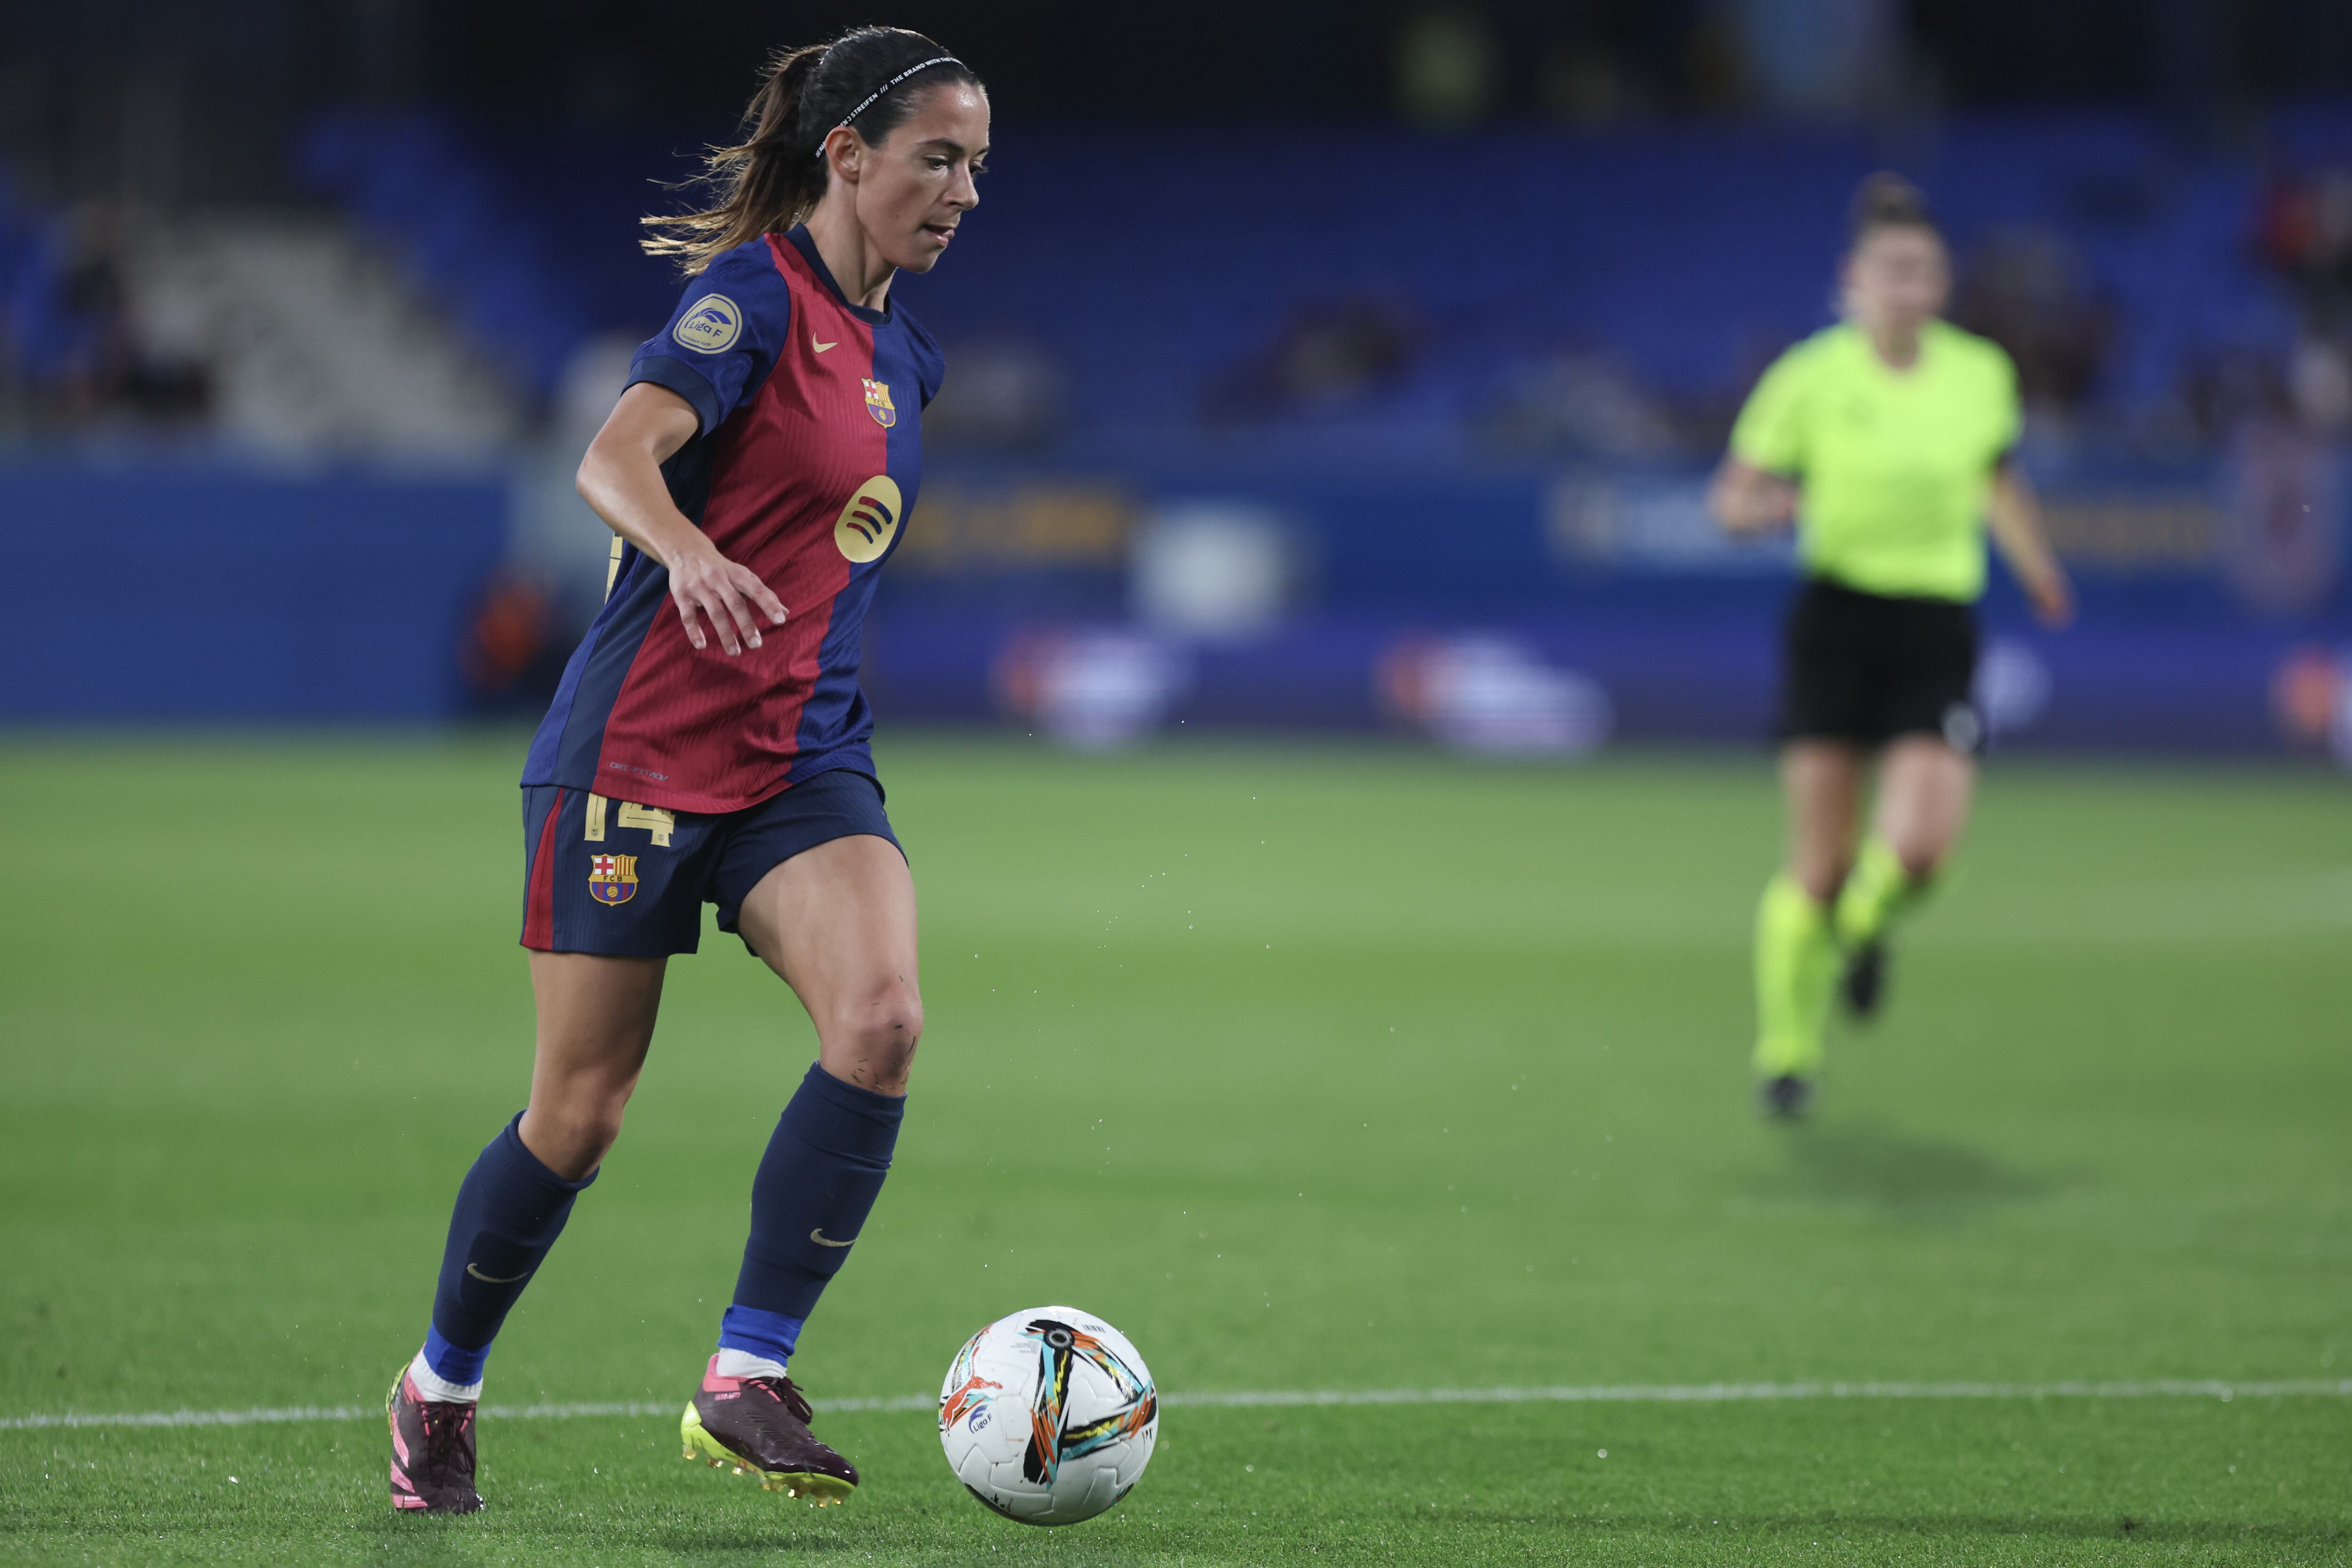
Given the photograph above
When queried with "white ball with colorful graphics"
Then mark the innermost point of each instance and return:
(1048, 1416)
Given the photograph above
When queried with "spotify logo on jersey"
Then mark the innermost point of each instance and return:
(869, 521)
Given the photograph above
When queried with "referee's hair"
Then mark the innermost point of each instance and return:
(772, 177)
(1887, 200)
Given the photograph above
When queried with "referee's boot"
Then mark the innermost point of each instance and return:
(760, 1425)
(432, 1452)
(1863, 984)
(1786, 1097)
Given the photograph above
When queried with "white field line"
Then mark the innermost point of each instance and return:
(1602, 1393)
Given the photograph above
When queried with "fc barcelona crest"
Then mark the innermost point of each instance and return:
(878, 403)
(612, 878)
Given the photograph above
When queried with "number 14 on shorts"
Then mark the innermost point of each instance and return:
(652, 817)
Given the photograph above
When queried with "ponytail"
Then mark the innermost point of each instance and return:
(867, 80)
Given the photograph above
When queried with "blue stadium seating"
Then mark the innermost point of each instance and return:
(37, 332)
(1148, 263)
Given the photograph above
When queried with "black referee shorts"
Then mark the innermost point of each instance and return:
(1866, 667)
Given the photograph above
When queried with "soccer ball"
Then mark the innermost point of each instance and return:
(1048, 1416)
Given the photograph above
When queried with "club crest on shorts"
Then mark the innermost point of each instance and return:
(878, 403)
(612, 878)
(871, 521)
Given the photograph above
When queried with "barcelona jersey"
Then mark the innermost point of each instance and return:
(804, 470)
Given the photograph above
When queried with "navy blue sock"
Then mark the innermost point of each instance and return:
(817, 1183)
(511, 1208)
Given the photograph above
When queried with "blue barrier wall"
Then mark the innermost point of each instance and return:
(1676, 665)
(209, 591)
(204, 591)
(1679, 629)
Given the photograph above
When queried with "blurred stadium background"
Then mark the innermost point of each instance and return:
(1313, 366)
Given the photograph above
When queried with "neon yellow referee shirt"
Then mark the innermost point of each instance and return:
(1892, 466)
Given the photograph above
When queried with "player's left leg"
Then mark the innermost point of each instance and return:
(1925, 787)
(837, 923)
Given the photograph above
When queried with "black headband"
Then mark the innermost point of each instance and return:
(875, 97)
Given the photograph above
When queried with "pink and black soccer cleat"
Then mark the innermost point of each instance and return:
(760, 1425)
(432, 1452)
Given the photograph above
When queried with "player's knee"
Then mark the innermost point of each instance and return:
(602, 1130)
(593, 1124)
(1920, 857)
(572, 1137)
(1821, 880)
(893, 1029)
(881, 1035)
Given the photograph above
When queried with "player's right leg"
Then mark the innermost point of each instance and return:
(600, 934)
(1796, 951)
(596, 1022)
(1828, 694)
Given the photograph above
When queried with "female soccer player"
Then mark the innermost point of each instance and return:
(1889, 435)
(708, 743)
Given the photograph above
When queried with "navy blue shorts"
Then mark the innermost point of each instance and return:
(629, 881)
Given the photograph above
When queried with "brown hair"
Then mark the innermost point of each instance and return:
(1887, 201)
(772, 177)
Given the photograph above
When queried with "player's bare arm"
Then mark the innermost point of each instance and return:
(621, 479)
(2015, 514)
(1746, 500)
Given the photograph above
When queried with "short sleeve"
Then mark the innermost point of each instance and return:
(723, 339)
(2008, 412)
(1770, 431)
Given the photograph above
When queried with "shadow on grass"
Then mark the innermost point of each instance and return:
(452, 1543)
(1901, 1173)
(1468, 1531)
(1962, 1526)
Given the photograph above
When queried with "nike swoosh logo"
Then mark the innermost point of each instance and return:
(818, 1236)
(821, 348)
(494, 1279)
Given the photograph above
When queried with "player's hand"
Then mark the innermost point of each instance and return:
(1747, 501)
(705, 583)
(1772, 506)
(2053, 599)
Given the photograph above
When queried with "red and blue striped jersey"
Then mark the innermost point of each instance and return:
(803, 469)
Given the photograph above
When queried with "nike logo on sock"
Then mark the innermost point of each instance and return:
(816, 1236)
(494, 1279)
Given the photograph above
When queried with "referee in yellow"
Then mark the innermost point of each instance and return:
(1886, 440)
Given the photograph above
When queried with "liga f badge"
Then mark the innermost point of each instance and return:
(878, 403)
(612, 878)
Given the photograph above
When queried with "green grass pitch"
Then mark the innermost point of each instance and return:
(1346, 1069)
